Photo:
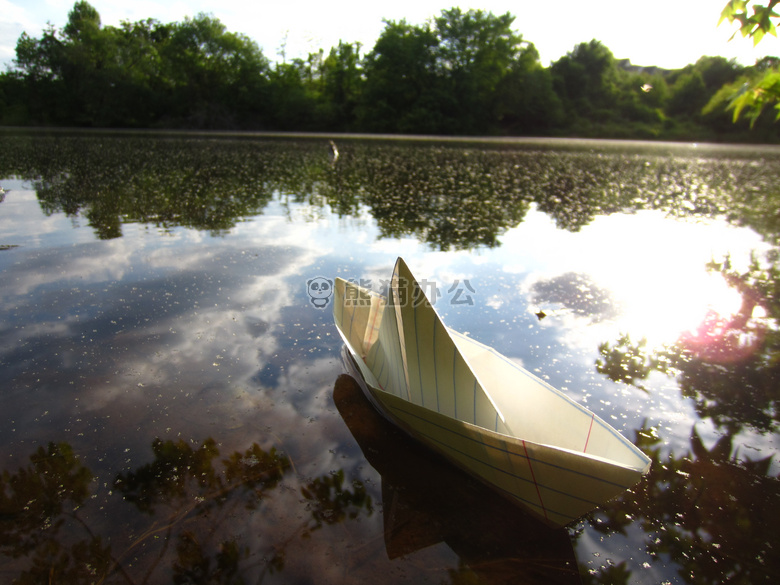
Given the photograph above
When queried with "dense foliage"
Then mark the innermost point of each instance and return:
(759, 87)
(464, 72)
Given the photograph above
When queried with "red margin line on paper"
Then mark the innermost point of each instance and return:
(590, 428)
(536, 485)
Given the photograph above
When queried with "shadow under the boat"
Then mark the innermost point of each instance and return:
(427, 500)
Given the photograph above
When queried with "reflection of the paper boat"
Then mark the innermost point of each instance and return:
(426, 500)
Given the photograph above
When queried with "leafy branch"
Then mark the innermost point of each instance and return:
(755, 26)
(751, 94)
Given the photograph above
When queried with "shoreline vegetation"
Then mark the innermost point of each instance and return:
(464, 74)
(553, 142)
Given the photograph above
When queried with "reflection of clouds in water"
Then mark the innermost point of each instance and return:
(394, 247)
(274, 227)
(162, 335)
(576, 292)
(223, 340)
(647, 271)
(22, 223)
(65, 268)
(349, 551)
(440, 271)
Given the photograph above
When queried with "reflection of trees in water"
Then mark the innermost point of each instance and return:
(450, 196)
(190, 515)
(167, 183)
(713, 516)
(447, 198)
(729, 367)
(710, 510)
(192, 498)
(38, 504)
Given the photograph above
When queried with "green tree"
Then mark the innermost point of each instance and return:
(37, 67)
(476, 51)
(693, 86)
(140, 90)
(89, 75)
(216, 76)
(448, 76)
(342, 81)
(688, 95)
(526, 100)
(83, 20)
(654, 89)
(290, 100)
(193, 73)
(400, 81)
(320, 93)
(642, 98)
(87, 65)
(586, 81)
(35, 57)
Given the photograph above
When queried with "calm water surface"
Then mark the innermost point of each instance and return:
(175, 408)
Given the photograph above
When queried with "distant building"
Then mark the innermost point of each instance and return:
(626, 65)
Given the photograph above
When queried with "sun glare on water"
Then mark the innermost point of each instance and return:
(657, 271)
(663, 309)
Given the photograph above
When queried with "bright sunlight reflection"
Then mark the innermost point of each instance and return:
(658, 273)
(663, 308)
(655, 269)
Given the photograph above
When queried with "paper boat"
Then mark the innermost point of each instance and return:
(478, 408)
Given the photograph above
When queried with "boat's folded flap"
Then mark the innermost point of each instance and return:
(405, 349)
(439, 378)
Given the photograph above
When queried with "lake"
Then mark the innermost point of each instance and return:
(176, 408)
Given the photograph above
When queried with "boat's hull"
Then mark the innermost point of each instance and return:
(557, 485)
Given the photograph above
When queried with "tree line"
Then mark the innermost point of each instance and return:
(462, 73)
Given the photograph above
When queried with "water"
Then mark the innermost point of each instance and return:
(174, 404)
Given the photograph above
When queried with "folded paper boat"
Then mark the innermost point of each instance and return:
(478, 408)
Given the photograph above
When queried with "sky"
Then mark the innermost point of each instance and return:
(665, 33)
